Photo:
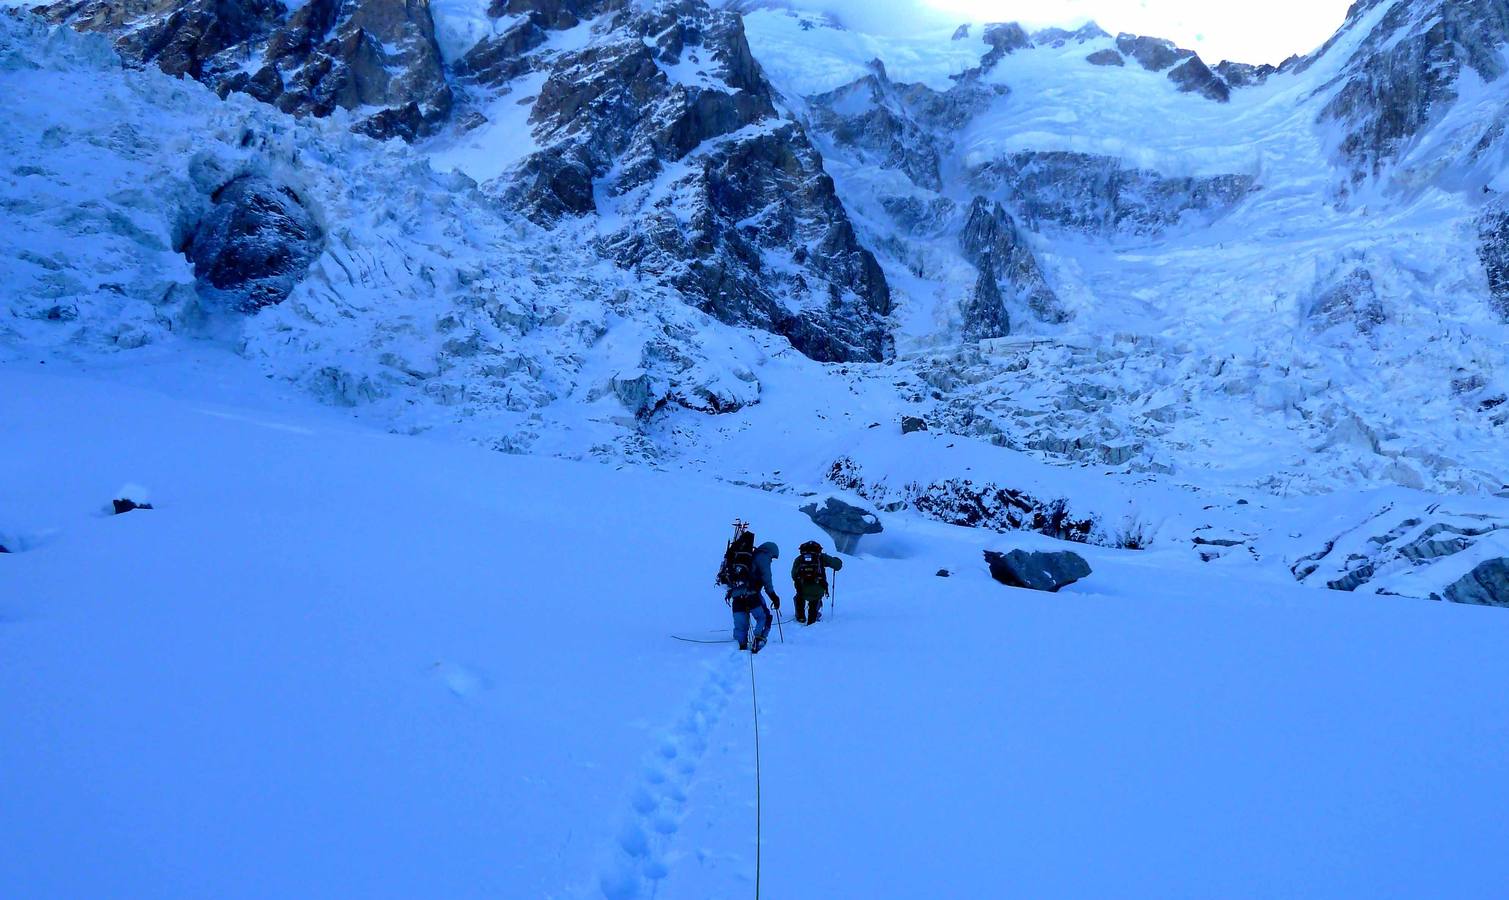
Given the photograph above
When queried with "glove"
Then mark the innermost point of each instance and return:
(776, 602)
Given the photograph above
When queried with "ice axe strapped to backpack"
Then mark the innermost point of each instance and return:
(741, 536)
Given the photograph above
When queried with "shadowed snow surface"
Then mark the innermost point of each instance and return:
(332, 662)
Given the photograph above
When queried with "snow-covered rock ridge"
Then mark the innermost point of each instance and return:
(661, 232)
(145, 215)
(1222, 278)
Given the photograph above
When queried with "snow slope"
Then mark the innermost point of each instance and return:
(336, 662)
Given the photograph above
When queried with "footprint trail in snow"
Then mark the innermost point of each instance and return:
(658, 803)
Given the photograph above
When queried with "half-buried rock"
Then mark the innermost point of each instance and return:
(844, 522)
(1037, 571)
(255, 245)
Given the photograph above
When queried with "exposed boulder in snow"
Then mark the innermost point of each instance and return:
(379, 57)
(255, 245)
(1106, 57)
(1194, 77)
(122, 505)
(1049, 572)
(1154, 54)
(1486, 585)
(1102, 195)
(843, 522)
(912, 424)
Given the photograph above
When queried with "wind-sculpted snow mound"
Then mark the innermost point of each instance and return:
(144, 211)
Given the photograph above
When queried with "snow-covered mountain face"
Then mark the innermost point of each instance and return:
(729, 238)
(1200, 265)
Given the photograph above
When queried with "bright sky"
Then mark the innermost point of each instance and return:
(1254, 31)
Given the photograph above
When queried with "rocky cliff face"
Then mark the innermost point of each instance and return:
(1101, 195)
(377, 58)
(1407, 70)
(875, 119)
(657, 138)
(1493, 251)
(1062, 188)
(661, 135)
(993, 243)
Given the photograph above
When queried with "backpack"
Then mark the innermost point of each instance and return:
(809, 567)
(738, 570)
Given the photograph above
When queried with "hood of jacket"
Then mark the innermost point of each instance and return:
(770, 549)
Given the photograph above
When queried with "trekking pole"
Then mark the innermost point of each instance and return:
(833, 595)
(781, 629)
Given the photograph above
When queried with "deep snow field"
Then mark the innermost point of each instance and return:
(336, 662)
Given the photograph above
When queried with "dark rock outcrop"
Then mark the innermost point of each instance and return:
(750, 197)
(843, 522)
(1486, 585)
(1100, 195)
(991, 240)
(1240, 75)
(1058, 37)
(180, 38)
(1393, 553)
(1153, 54)
(872, 117)
(124, 505)
(1049, 572)
(1405, 73)
(912, 424)
(372, 54)
(665, 114)
(1106, 57)
(1351, 301)
(1194, 77)
(1003, 38)
(255, 245)
(984, 310)
(963, 502)
(1493, 251)
(501, 57)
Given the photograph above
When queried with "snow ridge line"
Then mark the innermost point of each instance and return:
(658, 803)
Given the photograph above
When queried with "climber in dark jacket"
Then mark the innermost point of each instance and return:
(809, 580)
(746, 571)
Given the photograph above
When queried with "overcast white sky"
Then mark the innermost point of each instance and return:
(1253, 31)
